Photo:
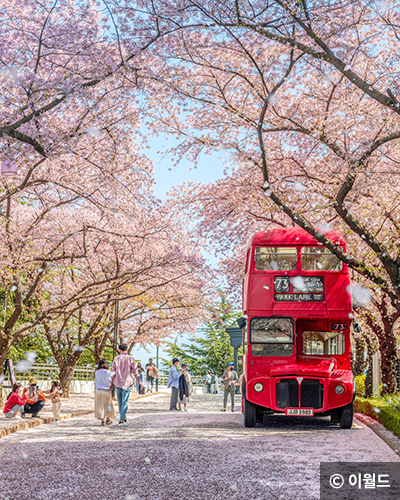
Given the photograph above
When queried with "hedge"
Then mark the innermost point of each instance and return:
(386, 415)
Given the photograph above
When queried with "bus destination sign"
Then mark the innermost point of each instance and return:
(299, 297)
(308, 284)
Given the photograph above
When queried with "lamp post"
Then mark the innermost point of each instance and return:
(116, 309)
(157, 368)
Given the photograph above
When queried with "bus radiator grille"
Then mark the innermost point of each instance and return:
(287, 394)
(311, 394)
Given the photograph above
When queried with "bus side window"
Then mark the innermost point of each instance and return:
(320, 343)
(247, 261)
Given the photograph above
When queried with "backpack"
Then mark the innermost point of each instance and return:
(213, 379)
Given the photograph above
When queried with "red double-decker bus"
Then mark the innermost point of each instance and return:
(296, 328)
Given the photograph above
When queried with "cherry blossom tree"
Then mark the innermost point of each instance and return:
(302, 97)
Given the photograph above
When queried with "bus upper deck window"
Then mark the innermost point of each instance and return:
(319, 259)
(320, 343)
(275, 258)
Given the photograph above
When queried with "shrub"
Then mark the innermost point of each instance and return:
(360, 385)
(381, 410)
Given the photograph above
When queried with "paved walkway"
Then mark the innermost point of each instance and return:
(76, 405)
(203, 454)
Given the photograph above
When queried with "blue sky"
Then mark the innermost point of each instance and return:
(209, 170)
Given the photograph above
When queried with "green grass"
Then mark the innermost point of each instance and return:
(385, 409)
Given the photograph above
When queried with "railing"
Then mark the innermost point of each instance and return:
(44, 371)
(197, 381)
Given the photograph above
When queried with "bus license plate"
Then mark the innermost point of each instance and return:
(304, 412)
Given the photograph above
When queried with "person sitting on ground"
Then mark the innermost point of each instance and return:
(15, 402)
(36, 399)
(54, 395)
(103, 405)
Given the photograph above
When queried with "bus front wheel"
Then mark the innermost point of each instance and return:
(250, 414)
(346, 417)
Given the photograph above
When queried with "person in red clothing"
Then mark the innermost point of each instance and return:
(15, 402)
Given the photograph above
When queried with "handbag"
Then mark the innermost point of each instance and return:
(142, 390)
(223, 386)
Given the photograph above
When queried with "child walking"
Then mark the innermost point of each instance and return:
(54, 395)
(15, 402)
(103, 405)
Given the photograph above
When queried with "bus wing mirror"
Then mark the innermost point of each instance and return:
(356, 327)
(241, 322)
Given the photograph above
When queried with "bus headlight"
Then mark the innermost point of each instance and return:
(258, 387)
(339, 389)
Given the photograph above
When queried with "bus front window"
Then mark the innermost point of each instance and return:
(271, 336)
(323, 343)
(319, 259)
(275, 258)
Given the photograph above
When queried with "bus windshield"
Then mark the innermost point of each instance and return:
(320, 343)
(319, 259)
(275, 258)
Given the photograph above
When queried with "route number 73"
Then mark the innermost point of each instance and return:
(281, 284)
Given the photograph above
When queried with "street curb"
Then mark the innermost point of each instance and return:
(34, 422)
(380, 430)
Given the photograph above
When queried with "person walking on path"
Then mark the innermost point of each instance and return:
(15, 402)
(214, 383)
(54, 395)
(230, 380)
(124, 366)
(185, 388)
(208, 382)
(151, 374)
(173, 382)
(103, 405)
(140, 371)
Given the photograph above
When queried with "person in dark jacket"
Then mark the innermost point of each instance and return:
(185, 388)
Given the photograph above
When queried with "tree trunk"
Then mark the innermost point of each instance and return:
(4, 349)
(387, 347)
(66, 373)
(359, 363)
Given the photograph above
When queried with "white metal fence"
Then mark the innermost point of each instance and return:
(43, 372)
(82, 380)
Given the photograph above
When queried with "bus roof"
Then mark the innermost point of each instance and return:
(293, 236)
